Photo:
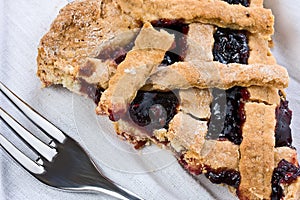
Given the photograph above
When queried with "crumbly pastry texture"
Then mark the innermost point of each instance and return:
(193, 76)
(254, 19)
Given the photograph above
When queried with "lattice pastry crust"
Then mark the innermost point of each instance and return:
(83, 29)
(111, 49)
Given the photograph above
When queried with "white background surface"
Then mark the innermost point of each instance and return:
(22, 24)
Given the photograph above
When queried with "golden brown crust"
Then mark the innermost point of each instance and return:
(254, 3)
(100, 69)
(218, 154)
(259, 50)
(150, 38)
(74, 35)
(96, 71)
(124, 126)
(131, 75)
(203, 74)
(82, 27)
(176, 79)
(257, 157)
(150, 48)
(253, 19)
(268, 95)
(196, 102)
(183, 129)
(200, 42)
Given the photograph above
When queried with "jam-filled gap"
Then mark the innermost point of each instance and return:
(245, 3)
(230, 46)
(227, 108)
(117, 53)
(227, 114)
(283, 135)
(152, 110)
(179, 29)
(223, 175)
(175, 54)
(284, 173)
(230, 177)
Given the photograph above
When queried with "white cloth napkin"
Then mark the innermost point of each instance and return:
(22, 24)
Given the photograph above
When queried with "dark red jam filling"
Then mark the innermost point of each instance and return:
(193, 169)
(231, 46)
(284, 173)
(117, 54)
(138, 144)
(245, 3)
(180, 30)
(226, 176)
(153, 110)
(283, 131)
(228, 114)
(91, 90)
(218, 176)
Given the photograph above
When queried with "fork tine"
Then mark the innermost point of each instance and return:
(39, 120)
(37, 145)
(21, 158)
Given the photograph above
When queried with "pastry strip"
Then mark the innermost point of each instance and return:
(179, 76)
(267, 95)
(195, 102)
(259, 50)
(255, 3)
(132, 73)
(202, 74)
(257, 151)
(200, 42)
(253, 19)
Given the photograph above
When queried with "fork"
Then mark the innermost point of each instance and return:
(62, 163)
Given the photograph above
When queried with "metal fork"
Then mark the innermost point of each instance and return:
(62, 163)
